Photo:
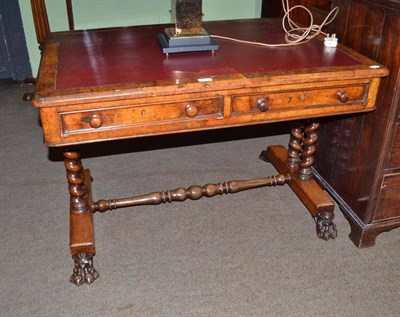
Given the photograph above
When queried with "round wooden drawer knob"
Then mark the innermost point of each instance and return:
(95, 121)
(191, 110)
(263, 104)
(342, 96)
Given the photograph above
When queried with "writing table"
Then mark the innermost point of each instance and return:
(111, 84)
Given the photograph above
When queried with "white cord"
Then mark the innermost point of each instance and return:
(294, 34)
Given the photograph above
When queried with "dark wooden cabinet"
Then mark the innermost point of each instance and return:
(271, 8)
(360, 164)
(319, 9)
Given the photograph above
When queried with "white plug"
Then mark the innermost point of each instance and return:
(331, 41)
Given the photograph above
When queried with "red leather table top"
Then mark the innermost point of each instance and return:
(132, 55)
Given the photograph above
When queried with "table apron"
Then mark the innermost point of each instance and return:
(135, 117)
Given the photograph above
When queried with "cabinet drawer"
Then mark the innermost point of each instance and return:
(389, 198)
(131, 115)
(264, 102)
(395, 153)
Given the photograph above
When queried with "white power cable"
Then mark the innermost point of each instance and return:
(294, 34)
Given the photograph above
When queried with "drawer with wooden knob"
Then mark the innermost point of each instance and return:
(132, 115)
(299, 99)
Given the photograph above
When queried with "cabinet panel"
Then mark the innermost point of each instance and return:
(356, 32)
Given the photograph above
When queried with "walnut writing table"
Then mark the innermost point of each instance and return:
(112, 84)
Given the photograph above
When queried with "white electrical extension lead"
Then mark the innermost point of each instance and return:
(330, 41)
(294, 34)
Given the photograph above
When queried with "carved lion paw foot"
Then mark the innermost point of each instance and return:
(84, 271)
(326, 229)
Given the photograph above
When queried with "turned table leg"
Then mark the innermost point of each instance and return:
(294, 149)
(297, 161)
(81, 221)
(308, 148)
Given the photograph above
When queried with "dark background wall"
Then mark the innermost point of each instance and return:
(14, 59)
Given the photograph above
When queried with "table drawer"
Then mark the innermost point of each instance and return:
(284, 100)
(131, 115)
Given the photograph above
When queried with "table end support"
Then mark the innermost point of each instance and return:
(81, 220)
(316, 200)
